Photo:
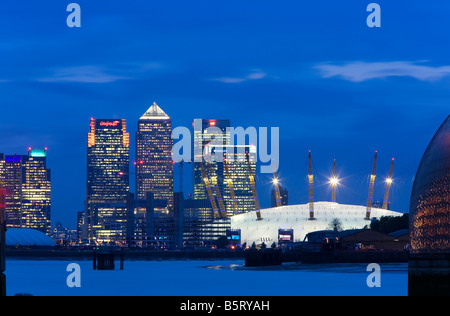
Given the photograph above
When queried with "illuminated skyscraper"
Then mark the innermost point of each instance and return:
(36, 192)
(107, 201)
(206, 131)
(238, 173)
(27, 182)
(154, 165)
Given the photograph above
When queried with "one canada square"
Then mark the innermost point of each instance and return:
(154, 164)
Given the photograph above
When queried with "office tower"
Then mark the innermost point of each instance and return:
(36, 192)
(27, 183)
(237, 179)
(204, 131)
(284, 197)
(107, 200)
(12, 182)
(154, 164)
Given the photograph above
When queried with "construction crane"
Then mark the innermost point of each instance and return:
(371, 187)
(222, 208)
(388, 186)
(253, 186)
(311, 189)
(231, 187)
(334, 182)
(276, 184)
(212, 199)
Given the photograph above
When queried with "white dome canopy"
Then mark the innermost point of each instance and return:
(296, 217)
(27, 237)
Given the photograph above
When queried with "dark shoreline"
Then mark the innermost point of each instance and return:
(87, 254)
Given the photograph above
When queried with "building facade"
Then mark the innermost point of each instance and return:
(153, 159)
(108, 199)
(27, 183)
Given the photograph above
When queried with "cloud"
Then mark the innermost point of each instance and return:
(254, 75)
(86, 74)
(359, 71)
(102, 74)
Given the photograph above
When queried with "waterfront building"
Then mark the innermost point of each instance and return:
(108, 199)
(27, 182)
(153, 159)
(429, 261)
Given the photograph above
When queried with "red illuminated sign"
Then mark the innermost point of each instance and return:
(109, 124)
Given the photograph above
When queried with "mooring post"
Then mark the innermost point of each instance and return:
(121, 259)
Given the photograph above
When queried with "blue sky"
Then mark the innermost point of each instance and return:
(332, 85)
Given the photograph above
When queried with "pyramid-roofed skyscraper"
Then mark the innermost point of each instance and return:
(154, 165)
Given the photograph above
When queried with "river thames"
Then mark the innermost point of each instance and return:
(203, 278)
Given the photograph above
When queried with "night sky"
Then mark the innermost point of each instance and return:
(314, 69)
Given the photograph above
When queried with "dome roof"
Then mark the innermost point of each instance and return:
(26, 236)
(430, 197)
(296, 217)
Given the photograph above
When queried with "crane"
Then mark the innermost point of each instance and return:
(371, 187)
(277, 188)
(253, 186)
(311, 189)
(231, 187)
(222, 208)
(212, 199)
(388, 186)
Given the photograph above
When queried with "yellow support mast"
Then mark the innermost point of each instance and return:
(334, 183)
(277, 187)
(388, 186)
(231, 187)
(212, 199)
(253, 186)
(311, 188)
(371, 186)
(223, 210)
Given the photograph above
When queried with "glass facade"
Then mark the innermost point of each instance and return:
(154, 165)
(430, 198)
(238, 173)
(203, 135)
(36, 192)
(108, 158)
(27, 184)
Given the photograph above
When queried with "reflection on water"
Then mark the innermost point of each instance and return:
(331, 268)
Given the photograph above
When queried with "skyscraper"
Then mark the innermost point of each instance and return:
(206, 131)
(36, 192)
(27, 182)
(154, 165)
(107, 201)
(237, 172)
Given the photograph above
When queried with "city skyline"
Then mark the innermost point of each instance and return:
(330, 83)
